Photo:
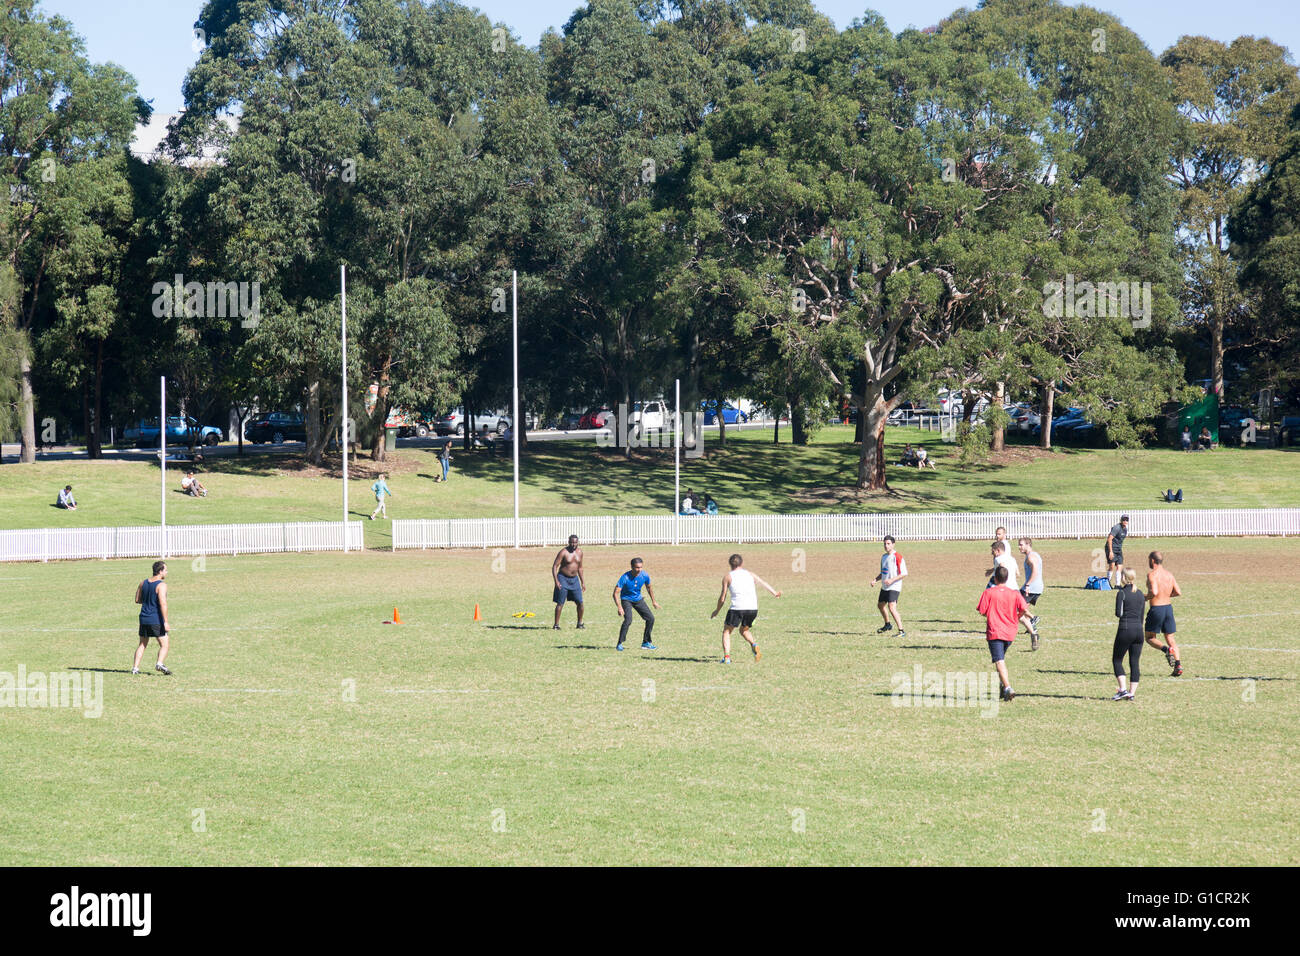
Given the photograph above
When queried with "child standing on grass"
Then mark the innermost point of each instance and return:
(380, 488)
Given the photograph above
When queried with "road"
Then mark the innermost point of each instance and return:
(10, 451)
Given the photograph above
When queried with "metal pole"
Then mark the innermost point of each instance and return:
(677, 454)
(514, 284)
(162, 461)
(343, 288)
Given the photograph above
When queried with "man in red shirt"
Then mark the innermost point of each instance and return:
(1002, 607)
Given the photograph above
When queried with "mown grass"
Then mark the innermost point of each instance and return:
(507, 742)
(749, 475)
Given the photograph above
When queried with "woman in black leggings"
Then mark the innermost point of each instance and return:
(1129, 604)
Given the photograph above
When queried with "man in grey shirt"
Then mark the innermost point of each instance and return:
(1115, 552)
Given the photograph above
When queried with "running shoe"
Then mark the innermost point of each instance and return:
(887, 627)
(135, 670)
(1033, 640)
(758, 655)
(1033, 622)
(618, 647)
(1169, 657)
(161, 669)
(727, 659)
(555, 627)
(581, 627)
(902, 633)
(1008, 693)
(647, 646)
(1122, 695)
(1178, 669)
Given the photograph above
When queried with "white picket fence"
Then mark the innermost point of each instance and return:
(61, 544)
(750, 529)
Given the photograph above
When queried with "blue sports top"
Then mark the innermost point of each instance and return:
(630, 587)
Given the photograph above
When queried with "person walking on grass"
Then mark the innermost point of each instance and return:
(1002, 607)
(444, 459)
(1033, 588)
(566, 575)
(741, 585)
(1115, 551)
(380, 488)
(151, 595)
(627, 598)
(1129, 603)
(1161, 590)
(892, 571)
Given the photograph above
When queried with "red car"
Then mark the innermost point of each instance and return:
(596, 418)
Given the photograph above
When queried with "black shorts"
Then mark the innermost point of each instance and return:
(740, 618)
(1160, 619)
(1117, 558)
(152, 630)
(888, 597)
(1029, 598)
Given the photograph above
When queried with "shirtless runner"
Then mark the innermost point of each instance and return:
(1161, 590)
(566, 574)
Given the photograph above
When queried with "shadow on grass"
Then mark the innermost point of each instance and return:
(935, 647)
(1042, 670)
(694, 660)
(104, 670)
(517, 627)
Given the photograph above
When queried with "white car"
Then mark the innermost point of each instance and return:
(649, 415)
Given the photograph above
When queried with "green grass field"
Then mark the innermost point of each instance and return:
(507, 742)
(749, 476)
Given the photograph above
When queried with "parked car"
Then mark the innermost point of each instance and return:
(1065, 418)
(1230, 423)
(418, 424)
(144, 433)
(649, 415)
(1288, 431)
(731, 415)
(453, 423)
(277, 428)
(570, 421)
(596, 418)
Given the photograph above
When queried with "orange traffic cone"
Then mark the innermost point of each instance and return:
(397, 618)
(477, 615)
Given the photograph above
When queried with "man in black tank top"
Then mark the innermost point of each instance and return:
(151, 595)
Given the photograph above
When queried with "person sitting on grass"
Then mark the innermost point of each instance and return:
(710, 506)
(192, 486)
(66, 500)
(1205, 442)
(923, 459)
(688, 504)
(909, 456)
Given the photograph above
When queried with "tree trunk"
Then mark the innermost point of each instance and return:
(722, 426)
(1049, 399)
(1216, 353)
(776, 429)
(798, 433)
(315, 438)
(94, 447)
(871, 455)
(999, 442)
(27, 455)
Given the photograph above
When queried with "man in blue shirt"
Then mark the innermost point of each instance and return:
(627, 598)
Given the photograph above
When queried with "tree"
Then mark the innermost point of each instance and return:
(57, 111)
(1265, 227)
(1234, 100)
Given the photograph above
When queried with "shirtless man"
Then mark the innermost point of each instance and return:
(566, 575)
(1161, 589)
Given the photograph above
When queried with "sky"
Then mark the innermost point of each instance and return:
(154, 39)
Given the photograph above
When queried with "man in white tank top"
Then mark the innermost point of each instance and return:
(742, 586)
